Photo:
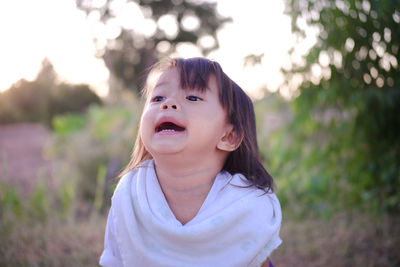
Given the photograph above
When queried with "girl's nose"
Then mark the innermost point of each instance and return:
(168, 106)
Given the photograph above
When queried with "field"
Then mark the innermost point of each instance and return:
(37, 231)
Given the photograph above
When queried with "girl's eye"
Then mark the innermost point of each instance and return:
(193, 98)
(158, 98)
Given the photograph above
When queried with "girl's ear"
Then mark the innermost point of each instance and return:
(230, 140)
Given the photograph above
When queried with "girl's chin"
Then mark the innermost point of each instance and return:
(165, 150)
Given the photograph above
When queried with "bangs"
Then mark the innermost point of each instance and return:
(195, 73)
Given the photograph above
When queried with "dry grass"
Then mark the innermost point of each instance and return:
(53, 243)
(344, 240)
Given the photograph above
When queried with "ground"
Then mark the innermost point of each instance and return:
(347, 239)
(22, 155)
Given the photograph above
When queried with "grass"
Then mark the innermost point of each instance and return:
(344, 240)
(53, 243)
(36, 231)
(39, 229)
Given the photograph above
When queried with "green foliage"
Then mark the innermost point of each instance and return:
(88, 143)
(36, 231)
(68, 123)
(40, 100)
(346, 127)
(10, 204)
(66, 194)
(106, 121)
(39, 204)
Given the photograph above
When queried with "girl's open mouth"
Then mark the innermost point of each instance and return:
(169, 127)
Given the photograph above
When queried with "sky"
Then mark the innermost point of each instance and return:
(33, 30)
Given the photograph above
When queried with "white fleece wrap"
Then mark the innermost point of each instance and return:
(234, 227)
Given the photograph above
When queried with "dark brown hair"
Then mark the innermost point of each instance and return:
(195, 74)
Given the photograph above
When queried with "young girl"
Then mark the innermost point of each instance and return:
(195, 192)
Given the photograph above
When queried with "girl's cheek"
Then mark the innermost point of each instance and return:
(144, 129)
(146, 107)
(147, 120)
(143, 119)
(146, 112)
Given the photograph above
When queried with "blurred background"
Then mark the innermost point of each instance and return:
(324, 76)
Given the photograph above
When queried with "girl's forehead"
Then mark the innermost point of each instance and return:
(173, 77)
(170, 76)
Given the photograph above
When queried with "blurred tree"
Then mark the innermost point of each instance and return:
(350, 89)
(47, 75)
(142, 31)
(39, 100)
(72, 98)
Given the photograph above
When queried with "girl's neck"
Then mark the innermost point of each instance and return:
(186, 186)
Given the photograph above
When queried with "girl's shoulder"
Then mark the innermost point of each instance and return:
(129, 179)
(125, 183)
(238, 188)
(128, 176)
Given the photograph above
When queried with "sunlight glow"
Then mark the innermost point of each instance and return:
(57, 30)
(33, 30)
(258, 27)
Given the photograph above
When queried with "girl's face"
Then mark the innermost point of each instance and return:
(186, 122)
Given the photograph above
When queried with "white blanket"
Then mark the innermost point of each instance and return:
(235, 226)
